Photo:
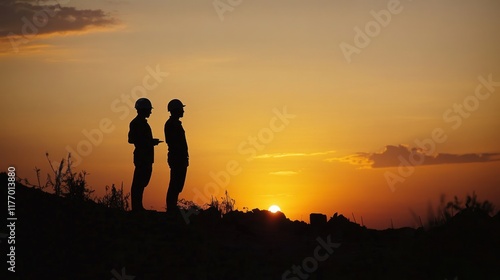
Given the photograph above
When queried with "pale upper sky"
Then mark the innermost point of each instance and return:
(309, 105)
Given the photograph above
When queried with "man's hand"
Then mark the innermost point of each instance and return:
(156, 141)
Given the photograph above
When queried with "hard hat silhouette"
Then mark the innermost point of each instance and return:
(143, 103)
(174, 104)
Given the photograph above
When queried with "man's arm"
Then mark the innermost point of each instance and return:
(131, 134)
(138, 135)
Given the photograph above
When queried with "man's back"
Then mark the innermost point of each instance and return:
(175, 137)
(141, 136)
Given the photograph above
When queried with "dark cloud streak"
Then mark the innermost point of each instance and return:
(394, 156)
(35, 18)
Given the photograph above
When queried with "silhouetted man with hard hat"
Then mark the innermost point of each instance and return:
(178, 158)
(141, 136)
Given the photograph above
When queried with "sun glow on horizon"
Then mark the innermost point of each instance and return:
(274, 208)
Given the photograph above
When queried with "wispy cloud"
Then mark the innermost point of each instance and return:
(360, 159)
(24, 21)
(276, 195)
(393, 156)
(283, 155)
(284, 173)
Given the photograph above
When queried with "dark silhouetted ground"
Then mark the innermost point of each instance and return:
(60, 239)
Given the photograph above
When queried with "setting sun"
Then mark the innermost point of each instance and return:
(274, 208)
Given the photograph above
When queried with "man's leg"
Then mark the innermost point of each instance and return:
(142, 175)
(177, 179)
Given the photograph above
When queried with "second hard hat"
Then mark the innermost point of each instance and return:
(174, 104)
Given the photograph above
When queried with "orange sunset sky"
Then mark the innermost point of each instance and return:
(368, 107)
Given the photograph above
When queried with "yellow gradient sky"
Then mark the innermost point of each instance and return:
(309, 105)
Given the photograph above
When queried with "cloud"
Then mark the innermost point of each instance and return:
(393, 156)
(361, 159)
(24, 21)
(276, 195)
(283, 155)
(284, 173)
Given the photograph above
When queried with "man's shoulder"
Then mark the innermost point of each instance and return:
(172, 122)
(138, 121)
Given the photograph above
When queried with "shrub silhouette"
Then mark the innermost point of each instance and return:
(446, 211)
(58, 176)
(188, 205)
(73, 185)
(67, 183)
(115, 198)
(225, 206)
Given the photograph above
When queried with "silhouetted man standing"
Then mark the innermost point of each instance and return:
(141, 136)
(178, 158)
